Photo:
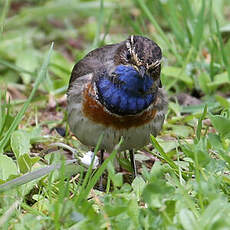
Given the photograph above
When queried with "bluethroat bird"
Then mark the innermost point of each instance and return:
(116, 90)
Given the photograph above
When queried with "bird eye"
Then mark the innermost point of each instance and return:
(128, 56)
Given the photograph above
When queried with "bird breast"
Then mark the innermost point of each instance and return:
(96, 112)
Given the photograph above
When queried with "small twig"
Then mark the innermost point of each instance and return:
(8, 213)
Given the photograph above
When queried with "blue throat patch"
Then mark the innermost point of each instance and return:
(128, 94)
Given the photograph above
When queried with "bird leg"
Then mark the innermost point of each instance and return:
(133, 164)
(101, 160)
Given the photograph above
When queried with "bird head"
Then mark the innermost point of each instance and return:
(142, 54)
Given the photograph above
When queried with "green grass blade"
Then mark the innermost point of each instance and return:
(6, 215)
(15, 68)
(87, 176)
(32, 176)
(158, 28)
(175, 24)
(162, 152)
(186, 4)
(18, 118)
(3, 16)
(85, 192)
(2, 113)
(57, 9)
(199, 126)
(199, 27)
(224, 57)
(96, 41)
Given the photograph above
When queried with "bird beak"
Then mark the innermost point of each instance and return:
(142, 70)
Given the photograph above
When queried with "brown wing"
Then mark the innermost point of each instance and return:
(93, 61)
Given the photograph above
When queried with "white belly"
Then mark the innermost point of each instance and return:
(88, 131)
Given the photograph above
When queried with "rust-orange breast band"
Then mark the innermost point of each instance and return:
(96, 112)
